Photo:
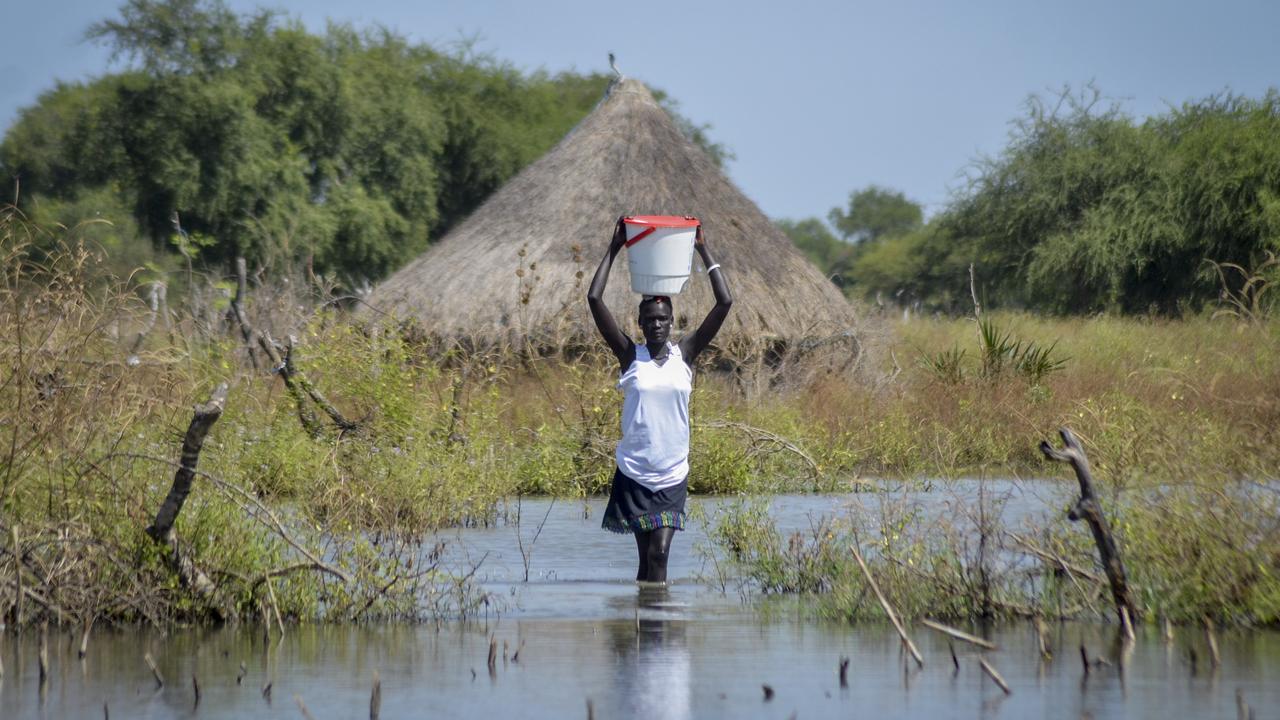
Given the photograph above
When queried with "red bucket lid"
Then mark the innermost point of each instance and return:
(664, 221)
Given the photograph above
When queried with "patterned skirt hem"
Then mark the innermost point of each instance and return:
(645, 523)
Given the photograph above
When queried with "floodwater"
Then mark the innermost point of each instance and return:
(581, 633)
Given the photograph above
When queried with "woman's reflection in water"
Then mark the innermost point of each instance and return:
(651, 661)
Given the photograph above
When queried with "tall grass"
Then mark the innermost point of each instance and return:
(1156, 398)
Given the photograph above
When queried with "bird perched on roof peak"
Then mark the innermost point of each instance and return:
(614, 66)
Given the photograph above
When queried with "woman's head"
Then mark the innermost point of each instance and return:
(656, 314)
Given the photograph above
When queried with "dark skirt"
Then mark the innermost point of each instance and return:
(635, 508)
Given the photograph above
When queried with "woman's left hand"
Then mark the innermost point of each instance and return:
(619, 236)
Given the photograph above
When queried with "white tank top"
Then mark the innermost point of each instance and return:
(654, 450)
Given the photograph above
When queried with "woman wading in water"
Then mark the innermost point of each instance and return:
(652, 477)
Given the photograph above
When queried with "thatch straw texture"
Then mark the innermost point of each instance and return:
(520, 265)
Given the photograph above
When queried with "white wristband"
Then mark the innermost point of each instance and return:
(713, 267)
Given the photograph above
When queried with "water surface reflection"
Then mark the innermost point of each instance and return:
(582, 630)
(651, 671)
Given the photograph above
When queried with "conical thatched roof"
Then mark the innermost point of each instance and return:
(521, 263)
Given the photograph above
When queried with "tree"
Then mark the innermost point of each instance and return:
(874, 213)
(178, 36)
(348, 151)
(812, 237)
(1087, 209)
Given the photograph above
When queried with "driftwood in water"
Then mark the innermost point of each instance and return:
(1090, 510)
(155, 671)
(161, 529)
(888, 609)
(995, 676)
(959, 635)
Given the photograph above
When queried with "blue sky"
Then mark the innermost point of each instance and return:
(815, 98)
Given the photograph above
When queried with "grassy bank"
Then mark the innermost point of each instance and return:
(381, 437)
(1196, 397)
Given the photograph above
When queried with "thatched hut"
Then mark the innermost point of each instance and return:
(519, 266)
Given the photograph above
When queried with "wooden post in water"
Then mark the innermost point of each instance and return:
(375, 698)
(1126, 625)
(44, 653)
(1212, 641)
(17, 579)
(1090, 510)
(84, 637)
(1042, 637)
(1243, 712)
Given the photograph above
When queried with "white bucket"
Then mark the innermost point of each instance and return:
(660, 252)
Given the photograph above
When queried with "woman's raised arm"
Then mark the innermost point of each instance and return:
(608, 327)
(694, 344)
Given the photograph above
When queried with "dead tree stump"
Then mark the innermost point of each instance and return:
(161, 529)
(1090, 510)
